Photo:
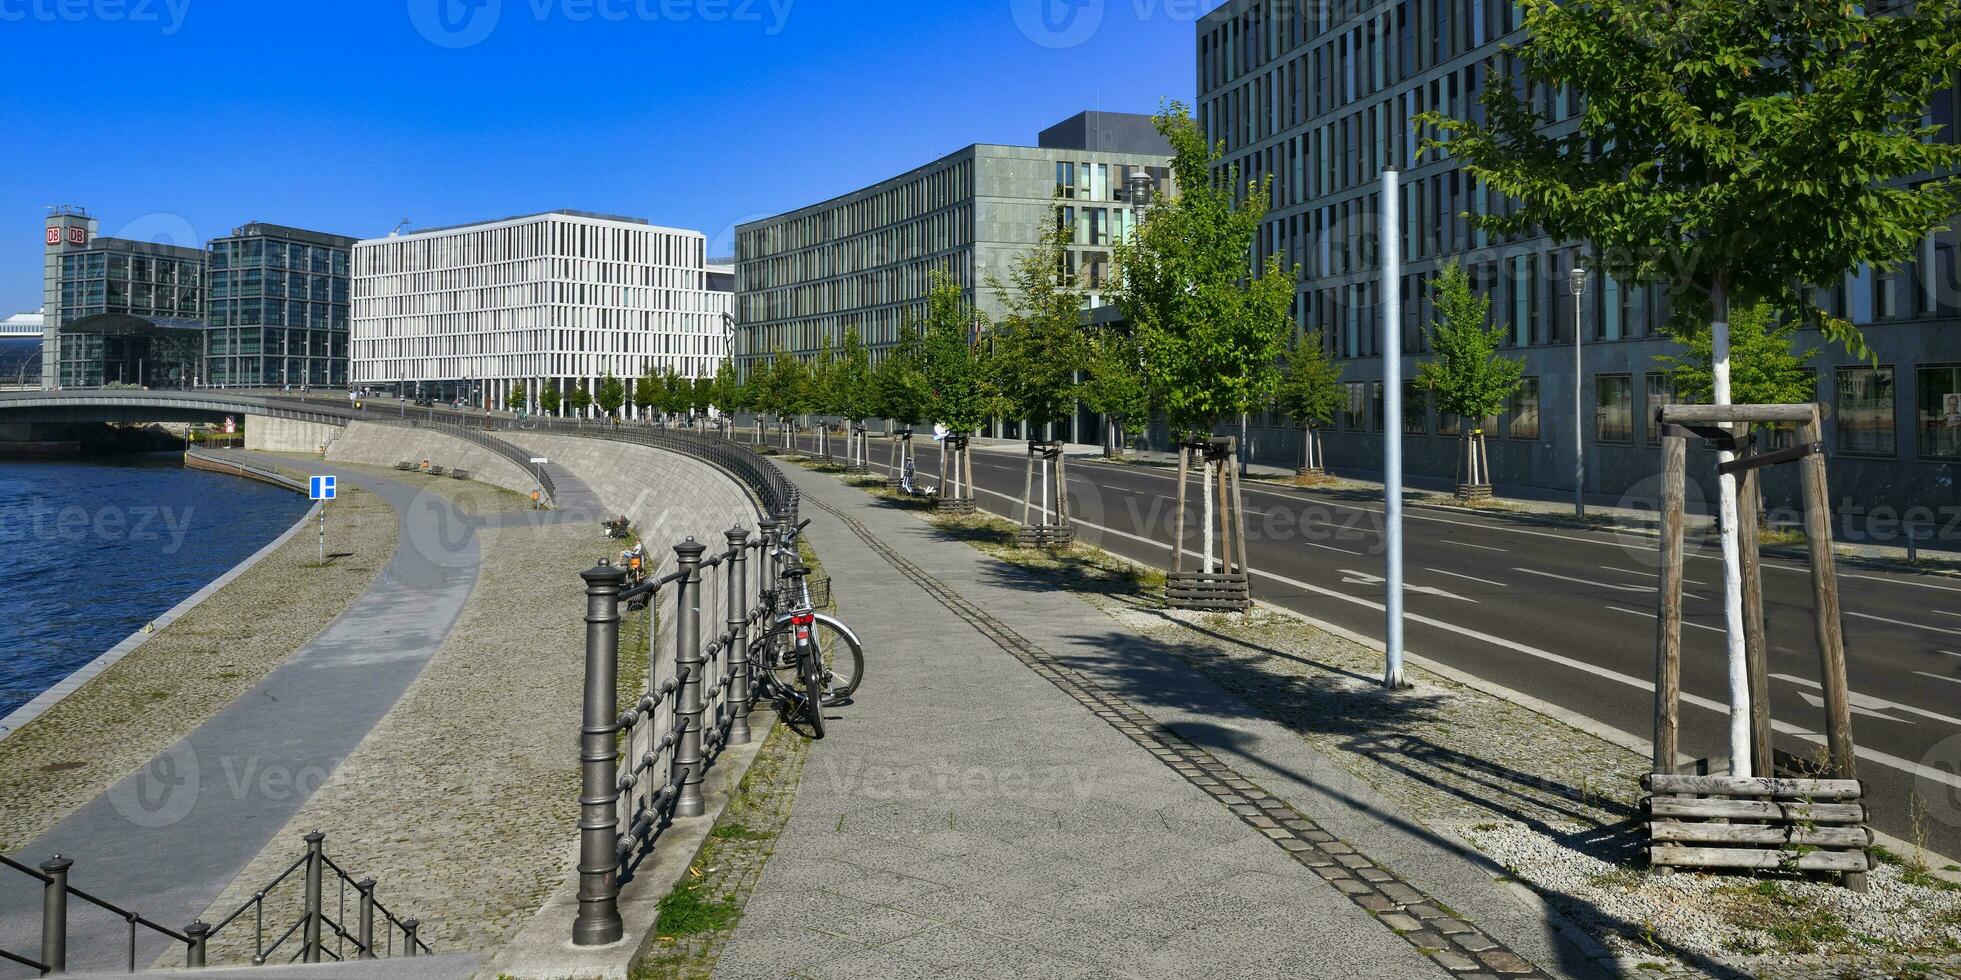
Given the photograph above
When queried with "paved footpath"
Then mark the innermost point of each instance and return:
(1021, 790)
(167, 840)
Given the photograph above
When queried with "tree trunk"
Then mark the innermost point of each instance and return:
(1205, 518)
(1178, 536)
(1738, 657)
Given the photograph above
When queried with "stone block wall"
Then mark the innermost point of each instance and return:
(385, 445)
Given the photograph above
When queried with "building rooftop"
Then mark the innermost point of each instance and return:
(569, 212)
(1106, 132)
(261, 229)
(22, 325)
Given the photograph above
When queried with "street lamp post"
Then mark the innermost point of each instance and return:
(1140, 197)
(1578, 278)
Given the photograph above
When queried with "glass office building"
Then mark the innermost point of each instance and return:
(278, 308)
(1322, 97)
(88, 276)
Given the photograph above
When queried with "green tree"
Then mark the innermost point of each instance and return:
(515, 399)
(646, 391)
(1765, 369)
(612, 394)
(1115, 386)
(1210, 332)
(956, 378)
(579, 398)
(1210, 336)
(899, 387)
(1468, 376)
(549, 399)
(1731, 150)
(1039, 340)
(674, 393)
(1310, 393)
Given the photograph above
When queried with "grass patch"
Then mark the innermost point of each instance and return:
(738, 831)
(684, 912)
(1783, 922)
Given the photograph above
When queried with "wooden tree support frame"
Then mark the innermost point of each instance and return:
(1045, 524)
(1474, 468)
(858, 459)
(1225, 586)
(901, 451)
(1755, 834)
(956, 477)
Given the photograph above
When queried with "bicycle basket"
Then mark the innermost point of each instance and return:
(791, 596)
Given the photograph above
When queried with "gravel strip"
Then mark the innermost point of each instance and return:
(187, 672)
(463, 801)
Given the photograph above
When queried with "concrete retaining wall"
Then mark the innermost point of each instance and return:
(288, 435)
(386, 445)
(668, 496)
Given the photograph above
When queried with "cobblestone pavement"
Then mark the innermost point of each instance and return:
(167, 838)
(985, 809)
(463, 801)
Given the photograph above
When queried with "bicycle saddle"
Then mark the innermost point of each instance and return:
(796, 571)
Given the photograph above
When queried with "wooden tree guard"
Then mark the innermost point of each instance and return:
(1043, 525)
(1311, 461)
(1759, 832)
(1224, 587)
(957, 493)
(901, 451)
(1475, 468)
(858, 459)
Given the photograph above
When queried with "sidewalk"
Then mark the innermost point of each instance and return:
(1023, 789)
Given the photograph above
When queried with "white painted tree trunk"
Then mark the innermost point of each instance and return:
(1205, 494)
(1739, 672)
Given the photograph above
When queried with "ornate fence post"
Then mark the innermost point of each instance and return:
(310, 933)
(200, 935)
(766, 566)
(689, 666)
(598, 922)
(366, 887)
(738, 653)
(54, 914)
(409, 926)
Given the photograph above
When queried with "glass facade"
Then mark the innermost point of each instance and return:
(1940, 412)
(113, 276)
(1613, 408)
(1863, 419)
(279, 309)
(1524, 410)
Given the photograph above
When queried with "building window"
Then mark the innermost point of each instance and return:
(1353, 414)
(1661, 391)
(1524, 410)
(1416, 407)
(1613, 408)
(1375, 406)
(1940, 412)
(1863, 420)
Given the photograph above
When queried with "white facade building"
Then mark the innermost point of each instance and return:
(565, 297)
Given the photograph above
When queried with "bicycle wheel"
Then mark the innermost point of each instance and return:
(843, 659)
(813, 689)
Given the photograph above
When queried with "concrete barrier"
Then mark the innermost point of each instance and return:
(374, 444)
(668, 496)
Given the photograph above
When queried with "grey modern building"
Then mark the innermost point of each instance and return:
(87, 276)
(863, 261)
(1322, 97)
(278, 308)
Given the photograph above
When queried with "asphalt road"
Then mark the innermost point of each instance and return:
(1567, 615)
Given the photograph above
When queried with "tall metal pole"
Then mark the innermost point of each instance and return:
(1578, 278)
(1392, 429)
(598, 921)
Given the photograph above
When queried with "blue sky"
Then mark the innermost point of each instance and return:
(186, 118)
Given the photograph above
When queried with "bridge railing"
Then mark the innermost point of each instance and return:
(643, 766)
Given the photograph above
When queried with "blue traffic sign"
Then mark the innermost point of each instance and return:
(321, 487)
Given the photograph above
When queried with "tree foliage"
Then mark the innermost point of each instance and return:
(1115, 384)
(515, 399)
(701, 394)
(549, 399)
(1764, 369)
(852, 395)
(1039, 343)
(960, 397)
(781, 386)
(612, 394)
(579, 398)
(1210, 336)
(899, 388)
(1468, 376)
(646, 391)
(1310, 390)
(1728, 148)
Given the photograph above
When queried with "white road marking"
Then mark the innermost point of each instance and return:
(1636, 571)
(1817, 702)
(1329, 547)
(1939, 677)
(1364, 578)
(1583, 581)
(1902, 622)
(1951, 653)
(1472, 578)
(1480, 547)
(1650, 615)
(1867, 701)
(1944, 612)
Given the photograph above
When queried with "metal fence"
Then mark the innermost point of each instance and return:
(324, 934)
(644, 765)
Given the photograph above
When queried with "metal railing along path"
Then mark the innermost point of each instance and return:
(645, 765)
(315, 923)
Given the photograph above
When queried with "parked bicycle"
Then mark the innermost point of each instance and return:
(807, 659)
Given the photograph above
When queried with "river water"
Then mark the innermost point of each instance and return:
(94, 547)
